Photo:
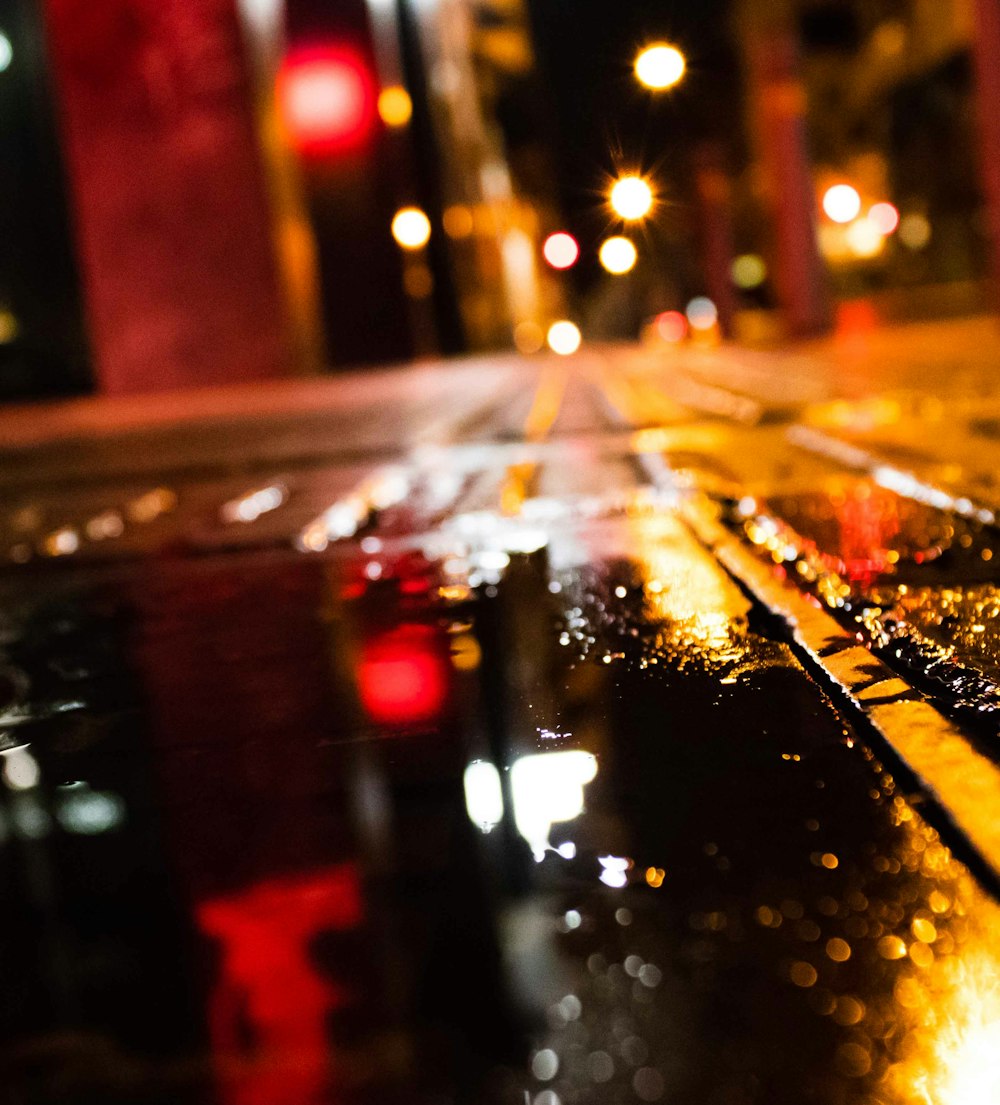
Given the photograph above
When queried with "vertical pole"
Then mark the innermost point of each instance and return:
(778, 100)
(986, 62)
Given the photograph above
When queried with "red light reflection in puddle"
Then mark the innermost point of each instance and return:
(403, 676)
(268, 987)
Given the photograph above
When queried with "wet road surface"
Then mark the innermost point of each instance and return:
(573, 736)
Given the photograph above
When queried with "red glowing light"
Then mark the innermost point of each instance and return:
(268, 1008)
(672, 326)
(326, 99)
(885, 217)
(403, 677)
(560, 250)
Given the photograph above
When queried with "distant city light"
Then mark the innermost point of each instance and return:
(885, 216)
(865, 238)
(618, 255)
(915, 231)
(560, 250)
(749, 271)
(702, 313)
(564, 337)
(6, 53)
(660, 66)
(672, 326)
(842, 203)
(632, 197)
(411, 228)
(458, 221)
(395, 106)
(529, 337)
(326, 100)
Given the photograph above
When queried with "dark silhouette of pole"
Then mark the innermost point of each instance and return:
(778, 104)
(714, 194)
(986, 62)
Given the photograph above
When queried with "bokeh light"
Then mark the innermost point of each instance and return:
(395, 106)
(411, 228)
(915, 231)
(560, 250)
(671, 326)
(702, 314)
(529, 337)
(660, 66)
(326, 100)
(749, 271)
(885, 216)
(458, 221)
(842, 203)
(402, 677)
(564, 337)
(865, 238)
(632, 197)
(6, 53)
(618, 255)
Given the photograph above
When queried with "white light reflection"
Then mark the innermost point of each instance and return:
(346, 516)
(547, 788)
(614, 871)
(248, 508)
(20, 769)
(90, 812)
(483, 795)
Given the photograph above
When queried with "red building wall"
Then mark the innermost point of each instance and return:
(167, 191)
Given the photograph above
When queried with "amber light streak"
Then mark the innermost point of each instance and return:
(543, 413)
(947, 999)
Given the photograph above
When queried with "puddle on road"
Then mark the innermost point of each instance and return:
(919, 583)
(324, 829)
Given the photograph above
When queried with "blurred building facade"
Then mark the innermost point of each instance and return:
(191, 200)
(889, 104)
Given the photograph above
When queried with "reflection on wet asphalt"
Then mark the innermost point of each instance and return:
(918, 581)
(551, 820)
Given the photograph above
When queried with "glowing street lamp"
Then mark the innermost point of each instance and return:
(631, 197)
(660, 66)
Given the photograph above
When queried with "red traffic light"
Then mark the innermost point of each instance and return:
(326, 99)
